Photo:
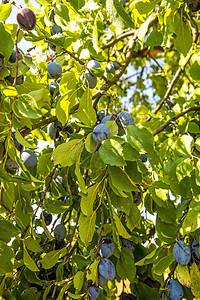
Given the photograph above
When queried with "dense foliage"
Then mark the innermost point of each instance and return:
(81, 210)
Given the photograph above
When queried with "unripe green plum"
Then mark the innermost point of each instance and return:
(54, 69)
(29, 159)
(60, 232)
(26, 18)
(101, 132)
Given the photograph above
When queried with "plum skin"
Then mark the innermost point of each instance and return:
(54, 69)
(93, 64)
(175, 290)
(47, 217)
(91, 79)
(106, 247)
(26, 18)
(106, 269)
(182, 253)
(54, 88)
(101, 132)
(60, 232)
(29, 159)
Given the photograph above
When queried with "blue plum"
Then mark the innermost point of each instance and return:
(13, 56)
(51, 130)
(93, 64)
(91, 79)
(115, 65)
(128, 244)
(102, 281)
(54, 88)
(143, 157)
(195, 249)
(126, 118)
(107, 118)
(29, 159)
(47, 217)
(101, 132)
(182, 253)
(54, 69)
(101, 114)
(175, 290)
(106, 247)
(93, 291)
(60, 232)
(106, 269)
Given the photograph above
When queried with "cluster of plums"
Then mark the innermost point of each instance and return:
(102, 132)
(182, 254)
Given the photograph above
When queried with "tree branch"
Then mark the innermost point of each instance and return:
(44, 122)
(187, 110)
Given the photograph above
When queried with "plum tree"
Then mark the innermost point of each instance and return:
(106, 269)
(60, 232)
(175, 290)
(182, 253)
(29, 159)
(26, 18)
(93, 176)
(54, 69)
(106, 247)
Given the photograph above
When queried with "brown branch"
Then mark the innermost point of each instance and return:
(41, 201)
(16, 50)
(40, 124)
(187, 110)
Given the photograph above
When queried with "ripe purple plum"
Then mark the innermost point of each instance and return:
(52, 130)
(13, 56)
(60, 232)
(106, 269)
(29, 159)
(101, 132)
(93, 64)
(175, 290)
(47, 217)
(195, 250)
(182, 253)
(54, 88)
(91, 79)
(102, 281)
(126, 118)
(106, 247)
(93, 291)
(26, 18)
(128, 244)
(54, 69)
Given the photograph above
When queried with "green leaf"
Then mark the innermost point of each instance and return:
(79, 280)
(154, 39)
(140, 138)
(183, 145)
(32, 245)
(148, 259)
(184, 168)
(88, 200)
(62, 107)
(67, 153)
(6, 259)
(163, 263)
(144, 7)
(119, 226)
(5, 10)
(191, 221)
(90, 143)
(28, 106)
(56, 206)
(111, 152)
(92, 275)
(183, 41)
(130, 153)
(90, 5)
(87, 227)
(194, 70)
(45, 164)
(126, 268)
(95, 35)
(121, 180)
(29, 262)
(23, 141)
(50, 259)
(31, 294)
(183, 276)
(133, 218)
(63, 12)
(6, 47)
(195, 277)
(8, 230)
(79, 175)
(117, 15)
(86, 112)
